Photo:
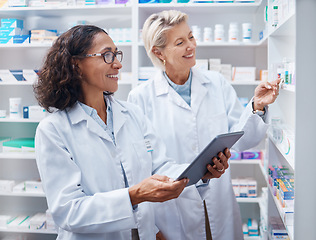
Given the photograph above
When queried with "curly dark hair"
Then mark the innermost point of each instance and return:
(59, 82)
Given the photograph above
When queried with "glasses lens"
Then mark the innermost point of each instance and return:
(119, 56)
(108, 57)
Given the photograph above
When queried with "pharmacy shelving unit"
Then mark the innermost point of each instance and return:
(277, 43)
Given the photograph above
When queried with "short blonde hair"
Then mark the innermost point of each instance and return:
(154, 32)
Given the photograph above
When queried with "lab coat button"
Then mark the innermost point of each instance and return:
(194, 148)
(113, 154)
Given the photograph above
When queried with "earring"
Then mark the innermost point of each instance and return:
(164, 62)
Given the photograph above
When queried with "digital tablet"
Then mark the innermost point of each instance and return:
(197, 169)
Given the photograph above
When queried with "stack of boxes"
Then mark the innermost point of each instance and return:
(11, 31)
(281, 180)
(43, 36)
(245, 187)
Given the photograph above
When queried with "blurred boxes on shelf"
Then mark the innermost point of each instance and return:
(242, 74)
(34, 112)
(19, 145)
(38, 221)
(245, 187)
(6, 185)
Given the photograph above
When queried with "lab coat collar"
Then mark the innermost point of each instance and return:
(162, 87)
(198, 89)
(77, 115)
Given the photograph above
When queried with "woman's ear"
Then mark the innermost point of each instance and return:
(157, 53)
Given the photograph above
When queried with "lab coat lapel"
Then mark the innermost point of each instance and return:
(162, 87)
(119, 118)
(77, 114)
(198, 90)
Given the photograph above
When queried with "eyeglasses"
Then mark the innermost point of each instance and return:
(108, 56)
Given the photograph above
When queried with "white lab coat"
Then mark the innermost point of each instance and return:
(80, 168)
(186, 130)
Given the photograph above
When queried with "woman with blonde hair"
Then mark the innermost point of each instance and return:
(188, 108)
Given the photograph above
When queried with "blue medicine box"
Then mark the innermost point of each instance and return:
(19, 39)
(11, 23)
(9, 31)
(18, 74)
(6, 39)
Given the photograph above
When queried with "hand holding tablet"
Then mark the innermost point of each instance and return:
(197, 169)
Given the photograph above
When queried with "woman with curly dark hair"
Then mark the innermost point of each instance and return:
(96, 155)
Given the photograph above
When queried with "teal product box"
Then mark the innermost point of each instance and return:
(6, 39)
(235, 155)
(10, 31)
(19, 145)
(19, 39)
(11, 23)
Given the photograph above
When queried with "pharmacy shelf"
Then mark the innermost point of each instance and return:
(289, 228)
(193, 8)
(48, 45)
(257, 82)
(19, 120)
(53, 11)
(290, 161)
(26, 83)
(22, 194)
(251, 161)
(222, 44)
(228, 44)
(16, 83)
(251, 238)
(15, 230)
(17, 155)
(249, 200)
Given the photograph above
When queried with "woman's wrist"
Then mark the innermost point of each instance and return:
(134, 195)
(257, 106)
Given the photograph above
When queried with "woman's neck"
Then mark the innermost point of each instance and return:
(98, 103)
(178, 77)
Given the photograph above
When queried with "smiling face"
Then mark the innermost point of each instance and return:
(179, 52)
(97, 75)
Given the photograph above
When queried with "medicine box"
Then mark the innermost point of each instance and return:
(34, 112)
(46, 39)
(43, 32)
(201, 64)
(20, 39)
(19, 145)
(11, 23)
(251, 155)
(18, 74)
(18, 221)
(6, 39)
(2, 140)
(10, 31)
(214, 64)
(38, 221)
(6, 185)
(17, 3)
(242, 74)
(235, 155)
(4, 220)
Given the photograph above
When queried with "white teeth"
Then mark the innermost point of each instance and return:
(112, 76)
(188, 56)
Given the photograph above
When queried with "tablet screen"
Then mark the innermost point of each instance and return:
(197, 169)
